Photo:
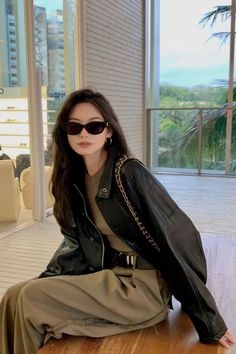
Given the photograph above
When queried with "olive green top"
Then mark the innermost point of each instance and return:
(92, 184)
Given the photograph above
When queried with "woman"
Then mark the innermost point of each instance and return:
(110, 273)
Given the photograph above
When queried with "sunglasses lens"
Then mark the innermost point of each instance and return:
(95, 127)
(72, 128)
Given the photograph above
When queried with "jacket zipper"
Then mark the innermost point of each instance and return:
(70, 238)
(94, 225)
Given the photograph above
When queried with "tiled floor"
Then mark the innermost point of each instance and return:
(209, 201)
(25, 215)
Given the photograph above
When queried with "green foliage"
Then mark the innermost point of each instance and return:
(196, 96)
(167, 125)
(179, 129)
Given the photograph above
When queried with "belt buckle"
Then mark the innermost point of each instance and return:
(131, 261)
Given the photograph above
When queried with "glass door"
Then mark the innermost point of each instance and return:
(55, 25)
(14, 119)
(48, 48)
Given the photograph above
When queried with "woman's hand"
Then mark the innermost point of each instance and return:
(227, 339)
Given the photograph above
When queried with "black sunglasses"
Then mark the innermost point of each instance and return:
(73, 128)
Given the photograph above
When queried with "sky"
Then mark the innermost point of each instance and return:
(50, 5)
(187, 56)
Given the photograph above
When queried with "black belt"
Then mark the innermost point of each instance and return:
(115, 258)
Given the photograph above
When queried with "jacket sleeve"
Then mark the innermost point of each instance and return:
(181, 258)
(68, 259)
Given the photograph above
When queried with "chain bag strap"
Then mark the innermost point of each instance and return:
(134, 214)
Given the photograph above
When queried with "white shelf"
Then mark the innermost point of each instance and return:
(13, 134)
(14, 146)
(26, 110)
(17, 122)
(14, 125)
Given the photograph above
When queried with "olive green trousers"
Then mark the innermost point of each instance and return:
(96, 305)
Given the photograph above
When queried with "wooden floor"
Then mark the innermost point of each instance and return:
(211, 204)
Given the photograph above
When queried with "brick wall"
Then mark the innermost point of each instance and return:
(114, 45)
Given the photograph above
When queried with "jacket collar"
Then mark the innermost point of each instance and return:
(106, 179)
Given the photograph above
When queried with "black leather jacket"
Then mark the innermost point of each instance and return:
(180, 256)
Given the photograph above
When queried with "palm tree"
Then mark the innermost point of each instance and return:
(211, 17)
(184, 147)
(213, 138)
(213, 121)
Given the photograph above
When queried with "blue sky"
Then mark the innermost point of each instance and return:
(187, 56)
(50, 5)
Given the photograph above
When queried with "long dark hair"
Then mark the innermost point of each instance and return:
(65, 159)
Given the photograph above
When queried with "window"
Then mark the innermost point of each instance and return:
(193, 88)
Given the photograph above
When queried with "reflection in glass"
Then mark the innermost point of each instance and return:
(14, 126)
(54, 23)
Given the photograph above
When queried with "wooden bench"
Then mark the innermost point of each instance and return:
(176, 335)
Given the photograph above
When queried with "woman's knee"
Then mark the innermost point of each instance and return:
(35, 291)
(12, 293)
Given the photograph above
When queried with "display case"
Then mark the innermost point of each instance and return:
(14, 121)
